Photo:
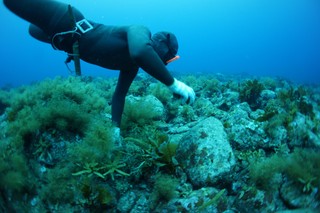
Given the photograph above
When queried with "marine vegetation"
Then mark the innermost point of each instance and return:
(292, 104)
(136, 116)
(302, 167)
(59, 151)
(165, 189)
(250, 92)
(46, 125)
(156, 151)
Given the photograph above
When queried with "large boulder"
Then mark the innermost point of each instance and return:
(205, 152)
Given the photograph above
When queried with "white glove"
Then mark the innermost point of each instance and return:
(183, 90)
(116, 137)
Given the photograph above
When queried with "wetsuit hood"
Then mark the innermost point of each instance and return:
(166, 45)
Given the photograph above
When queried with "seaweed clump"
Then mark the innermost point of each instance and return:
(302, 167)
(51, 127)
(291, 105)
(250, 92)
(296, 100)
(165, 189)
(150, 153)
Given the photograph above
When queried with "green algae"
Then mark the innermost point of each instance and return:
(71, 116)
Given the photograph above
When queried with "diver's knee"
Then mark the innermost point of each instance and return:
(11, 3)
(8, 3)
(14, 5)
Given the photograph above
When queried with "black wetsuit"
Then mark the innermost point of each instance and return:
(120, 48)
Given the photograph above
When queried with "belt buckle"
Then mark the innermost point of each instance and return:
(84, 26)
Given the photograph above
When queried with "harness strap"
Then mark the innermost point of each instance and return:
(76, 58)
(75, 46)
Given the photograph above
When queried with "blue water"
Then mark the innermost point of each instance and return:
(259, 37)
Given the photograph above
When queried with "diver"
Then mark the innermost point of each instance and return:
(123, 48)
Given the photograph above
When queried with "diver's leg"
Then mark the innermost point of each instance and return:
(48, 15)
(38, 34)
(37, 12)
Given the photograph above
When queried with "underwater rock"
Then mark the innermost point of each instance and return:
(206, 199)
(141, 206)
(293, 197)
(307, 210)
(246, 133)
(205, 152)
(255, 115)
(3, 125)
(303, 135)
(279, 137)
(148, 101)
(266, 96)
(253, 202)
(127, 201)
(227, 100)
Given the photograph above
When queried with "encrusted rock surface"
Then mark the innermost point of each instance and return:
(205, 152)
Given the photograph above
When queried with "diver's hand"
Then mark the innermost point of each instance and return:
(183, 90)
(116, 137)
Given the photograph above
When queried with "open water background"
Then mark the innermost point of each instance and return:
(256, 37)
